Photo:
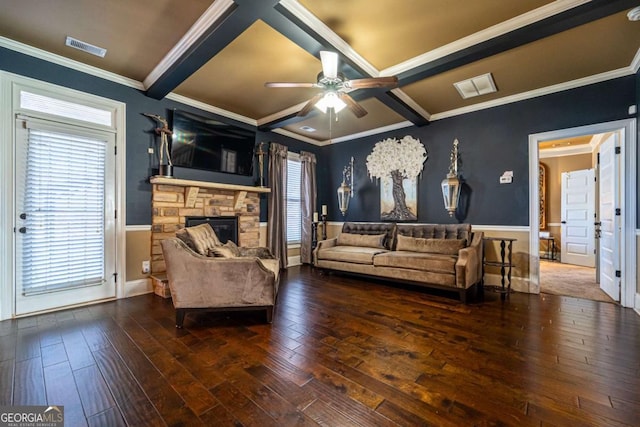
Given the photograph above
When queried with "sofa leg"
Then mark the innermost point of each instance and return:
(180, 312)
(270, 315)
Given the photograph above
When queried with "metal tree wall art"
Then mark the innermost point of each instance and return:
(393, 161)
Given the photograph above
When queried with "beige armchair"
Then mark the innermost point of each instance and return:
(200, 282)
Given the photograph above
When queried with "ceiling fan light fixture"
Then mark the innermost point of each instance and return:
(634, 14)
(330, 100)
(329, 64)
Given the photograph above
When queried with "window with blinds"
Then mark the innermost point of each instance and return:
(294, 208)
(63, 208)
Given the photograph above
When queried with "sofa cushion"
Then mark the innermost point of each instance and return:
(222, 251)
(362, 240)
(436, 263)
(203, 238)
(436, 231)
(259, 252)
(436, 246)
(387, 228)
(355, 254)
(232, 247)
(182, 235)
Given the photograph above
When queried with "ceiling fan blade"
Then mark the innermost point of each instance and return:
(352, 105)
(309, 105)
(329, 64)
(372, 82)
(285, 84)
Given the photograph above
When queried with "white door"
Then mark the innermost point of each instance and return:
(65, 218)
(578, 217)
(610, 225)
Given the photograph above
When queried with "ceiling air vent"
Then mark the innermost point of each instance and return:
(89, 48)
(475, 86)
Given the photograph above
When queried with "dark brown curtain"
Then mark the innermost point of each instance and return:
(308, 200)
(277, 222)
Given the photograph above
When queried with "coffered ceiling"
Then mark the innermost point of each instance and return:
(219, 54)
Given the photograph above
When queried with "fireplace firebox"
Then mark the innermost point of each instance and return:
(226, 227)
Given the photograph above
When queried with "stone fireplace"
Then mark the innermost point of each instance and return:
(175, 200)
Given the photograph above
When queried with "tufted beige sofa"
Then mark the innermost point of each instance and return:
(204, 274)
(444, 256)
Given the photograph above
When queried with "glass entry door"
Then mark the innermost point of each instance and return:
(65, 215)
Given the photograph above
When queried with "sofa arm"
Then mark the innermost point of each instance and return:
(324, 244)
(197, 281)
(469, 264)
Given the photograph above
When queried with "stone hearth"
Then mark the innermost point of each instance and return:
(173, 200)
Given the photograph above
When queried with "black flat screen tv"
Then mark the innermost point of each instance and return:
(205, 143)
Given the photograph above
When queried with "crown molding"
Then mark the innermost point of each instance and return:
(213, 14)
(69, 63)
(411, 103)
(573, 84)
(294, 109)
(302, 138)
(389, 128)
(210, 108)
(505, 27)
(635, 63)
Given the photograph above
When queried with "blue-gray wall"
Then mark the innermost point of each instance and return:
(139, 134)
(491, 141)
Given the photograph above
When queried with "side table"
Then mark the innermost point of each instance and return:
(551, 252)
(505, 263)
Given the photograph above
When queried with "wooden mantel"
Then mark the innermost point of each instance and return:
(204, 184)
(192, 187)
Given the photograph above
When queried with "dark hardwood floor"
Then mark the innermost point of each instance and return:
(340, 352)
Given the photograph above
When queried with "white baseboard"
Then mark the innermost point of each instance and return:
(518, 284)
(637, 305)
(137, 287)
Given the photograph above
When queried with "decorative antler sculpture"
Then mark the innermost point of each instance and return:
(164, 169)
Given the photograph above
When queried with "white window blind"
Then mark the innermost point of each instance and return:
(294, 211)
(64, 209)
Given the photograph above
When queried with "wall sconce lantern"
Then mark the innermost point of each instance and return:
(451, 184)
(345, 191)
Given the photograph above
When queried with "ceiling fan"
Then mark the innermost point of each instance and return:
(334, 86)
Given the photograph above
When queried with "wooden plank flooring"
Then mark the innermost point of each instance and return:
(341, 352)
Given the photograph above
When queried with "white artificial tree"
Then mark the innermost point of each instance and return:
(392, 161)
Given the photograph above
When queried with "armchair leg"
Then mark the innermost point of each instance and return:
(270, 315)
(180, 313)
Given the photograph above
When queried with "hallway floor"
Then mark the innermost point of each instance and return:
(570, 280)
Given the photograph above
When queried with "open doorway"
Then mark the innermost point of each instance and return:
(621, 252)
(568, 217)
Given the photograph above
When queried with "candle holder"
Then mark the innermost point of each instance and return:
(323, 218)
(314, 235)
